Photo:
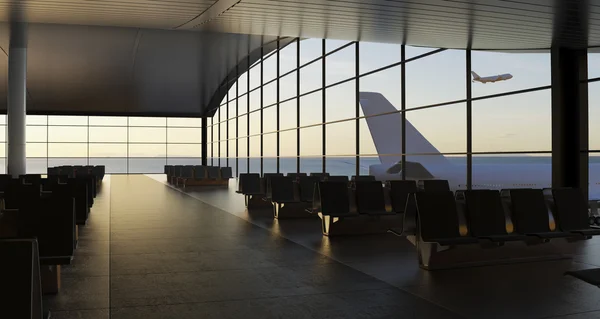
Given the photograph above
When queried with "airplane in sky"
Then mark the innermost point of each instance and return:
(429, 163)
(493, 78)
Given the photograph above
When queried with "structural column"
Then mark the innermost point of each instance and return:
(17, 94)
(204, 141)
(569, 118)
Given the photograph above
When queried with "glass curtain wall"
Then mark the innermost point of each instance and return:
(123, 144)
(338, 107)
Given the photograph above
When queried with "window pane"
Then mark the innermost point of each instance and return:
(35, 133)
(386, 82)
(310, 49)
(53, 162)
(270, 119)
(3, 150)
(341, 102)
(243, 147)
(184, 135)
(270, 67)
(528, 70)
(242, 83)
(232, 128)
(147, 165)
(108, 150)
(270, 145)
(108, 134)
(67, 134)
(442, 73)
(255, 100)
(331, 44)
(2, 133)
(67, 150)
(108, 120)
(255, 77)
(270, 94)
(287, 86)
(36, 150)
(311, 109)
(33, 119)
(340, 65)
(148, 150)
(66, 120)
(311, 77)
(593, 65)
(147, 121)
(443, 127)
(341, 148)
(255, 146)
(254, 123)
(111, 165)
(311, 141)
(146, 134)
(521, 122)
(243, 125)
(287, 57)
(184, 122)
(377, 55)
(184, 150)
(288, 114)
(243, 105)
(594, 115)
(534, 171)
(36, 165)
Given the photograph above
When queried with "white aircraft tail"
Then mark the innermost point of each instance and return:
(386, 131)
(475, 75)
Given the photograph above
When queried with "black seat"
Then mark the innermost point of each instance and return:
(571, 212)
(249, 184)
(434, 185)
(307, 188)
(265, 182)
(31, 179)
(400, 192)
(296, 175)
(370, 198)
(438, 219)
(363, 178)
(21, 293)
(321, 176)
(200, 172)
(334, 199)
(530, 214)
(99, 171)
(226, 173)
(485, 216)
(337, 179)
(213, 172)
(282, 189)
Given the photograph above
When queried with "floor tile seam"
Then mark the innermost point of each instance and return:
(258, 298)
(306, 247)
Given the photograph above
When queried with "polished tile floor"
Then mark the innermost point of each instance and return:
(526, 290)
(151, 251)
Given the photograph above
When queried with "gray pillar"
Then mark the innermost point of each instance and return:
(569, 118)
(204, 141)
(17, 97)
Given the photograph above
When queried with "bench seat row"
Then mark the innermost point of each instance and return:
(39, 224)
(73, 170)
(197, 175)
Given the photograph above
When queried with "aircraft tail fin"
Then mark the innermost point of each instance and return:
(386, 131)
(475, 75)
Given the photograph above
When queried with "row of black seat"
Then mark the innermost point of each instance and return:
(40, 217)
(74, 170)
(197, 174)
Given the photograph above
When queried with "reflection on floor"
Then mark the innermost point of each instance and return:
(150, 251)
(528, 290)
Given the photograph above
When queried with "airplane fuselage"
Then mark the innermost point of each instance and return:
(495, 78)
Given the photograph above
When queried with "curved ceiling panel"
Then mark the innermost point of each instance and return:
(109, 70)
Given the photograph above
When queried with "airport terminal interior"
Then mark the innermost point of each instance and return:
(300, 159)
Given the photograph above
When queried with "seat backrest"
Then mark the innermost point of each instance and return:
(265, 181)
(435, 185)
(213, 172)
(399, 192)
(226, 173)
(4, 181)
(530, 213)
(337, 179)
(307, 187)
(187, 171)
(484, 212)
(167, 167)
(320, 175)
(282, 189)
(20, 296)
(438, 216)
(68, 170)
(363, 178)
(199, 172)
(176, 170)
(369, 197)
(334, 197)
(249, 184)
(296, 175)
(571, 210)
